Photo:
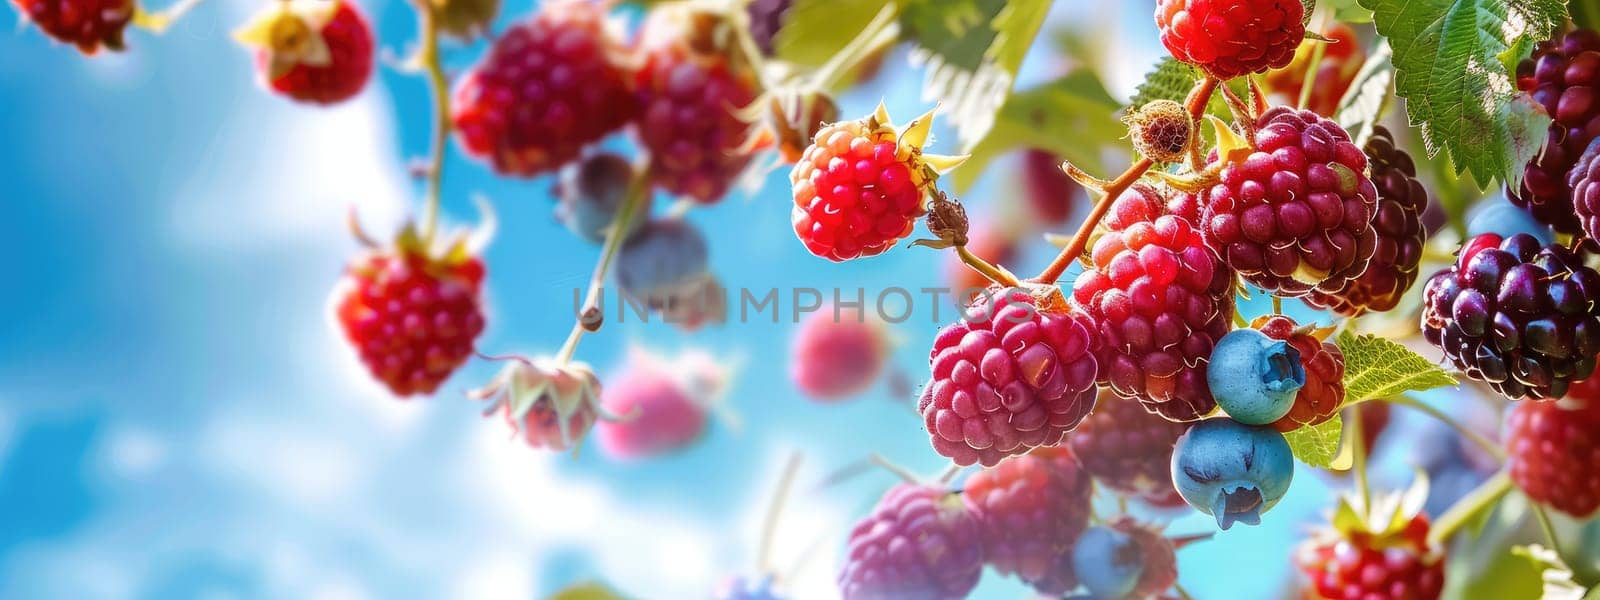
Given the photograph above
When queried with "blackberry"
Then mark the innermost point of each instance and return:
(1398, 224)
(1561, 75)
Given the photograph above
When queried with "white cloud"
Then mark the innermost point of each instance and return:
(131, 453)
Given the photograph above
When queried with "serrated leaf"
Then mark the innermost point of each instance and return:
(1555, 577)
(1317, 445)
(815, 30)
(1378, 368)
(1310, 6)
(1071, 117)
(1448, 57)
(1172, 80)
(1362, 104)
(971, 51)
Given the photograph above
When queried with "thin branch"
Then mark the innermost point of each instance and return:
(638, 190)
(1482, 498)
(428, 59)
(1485, 443)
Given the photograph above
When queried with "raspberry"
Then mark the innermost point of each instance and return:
(837, 353)
(664, 267)
(659, 411)
(1341, 62)
(591, 191)
(1398, 224)
(411, 317)
(1030, 510)
(1160, 130)
(1364, 565)
(1229, 38)
(766, 18)
(1232, 471)
(919, 542)
(1296, 215)
(1561, 76)
(1552, 447)
(550, 85)
(1125, 560)
(1128, 450)
(861, 186)
(88, 24)
(1516, 316)
(1015, 373)
(1585, 192)
(311, 50)
(1161, 300)
(1323, 363)
(1050, 192)
(550, 404)
(692, 85)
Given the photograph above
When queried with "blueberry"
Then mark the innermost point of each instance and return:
(1499, 215)
(591, 192)
(1254, 377)
(1108, 562)
(662, 257)
(1231, 470)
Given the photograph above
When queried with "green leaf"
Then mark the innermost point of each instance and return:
(1362, 105)
(1317, 445)
(1071, 117)
(1449, 58)
(1348, 11)
(1555, 577)
(1378, 368)
(1172, 80)
(1310, 6)
(815, 30)
(971, 50)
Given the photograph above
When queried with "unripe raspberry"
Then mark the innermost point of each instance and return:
(659, 411)
(1323, 363)
(1561, 75)
(1361, 564)
(1397, 255)
(919, 542)
(1030, 509)
(551, 404)
(837, 353)
(550, 86)
(311, 50)
(88, 24)
(1552, 448)
(1229, 38)
(1295, 215)
(1160, 130)
(1017, 372)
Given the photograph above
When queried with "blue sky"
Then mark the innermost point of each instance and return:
(178, 417)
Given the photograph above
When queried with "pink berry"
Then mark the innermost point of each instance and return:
(837, 354)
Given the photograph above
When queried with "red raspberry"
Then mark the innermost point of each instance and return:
(1561, 75)
(1363, 565)
(550, 404)
(1323, 393)
(1129, 450)
(659, 411)
(1585, 192)
(88, 24)
(861, 186)
(692, 86)
(1341, 62)
(1015, 373)
(837, 353)
(312, 50)
(1296, 215)
(1050, 192)
(1398, 223)
(1161, 300)
(1229, 38)
(1552, 448)
(919, 542)
(1030, 509)
(550, 86)
(410, 316)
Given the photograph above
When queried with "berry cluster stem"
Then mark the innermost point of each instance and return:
(638, 189)
(1199, 96)
(1358, 450)
(986, 268)
(878, 33)
(428, 60)
(1309, 80)
(1462, 512)
(1486, 444)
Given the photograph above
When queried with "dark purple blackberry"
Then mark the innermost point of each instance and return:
(919, 542)
(1584, 179)
(1561, 75)
(766, 18)
(1516, 316)
(1398, 223)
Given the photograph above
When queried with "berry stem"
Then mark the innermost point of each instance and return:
(1198, 97)
(1543, 518)
(1182, 593)
(977, 263)
(1358, 452)
(899, 471)
(1486, 444)
(638, 189)
(1482, 498)
(1277, 305)
(158, 22)
(769, 524)
(1309, 80)
(428, 59)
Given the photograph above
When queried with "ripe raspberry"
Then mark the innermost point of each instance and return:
(659, 411)
(919, 542)
(1561, 75)
(1125, 560)
(692, 85)
(88, 24)
(1229, 38)
(311, 50)
(1361, 564)
(1161, 300)
(1585, 191)
(1050, 192)
(1552, 447)
(550, 404)
(1030, 509)
(861, 185)
(1341, 62)
(1296, 215)
(1016, 372)
(550, 86)
(412, 317)
(1516, 316)
(1398, 224)
(1323, 363)
(1160, 130)
(1128, 450)
(837, 353)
